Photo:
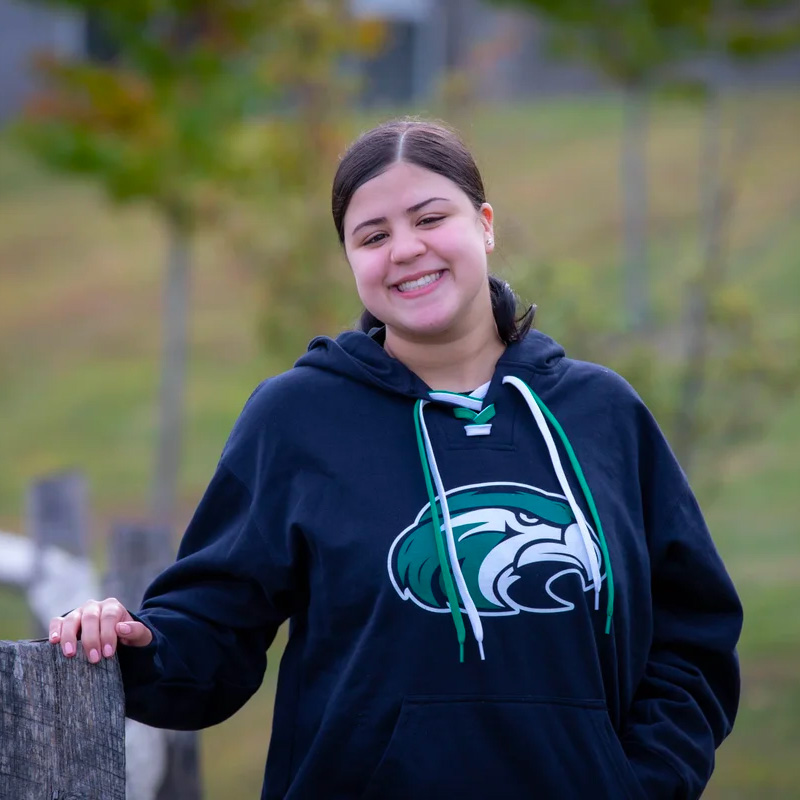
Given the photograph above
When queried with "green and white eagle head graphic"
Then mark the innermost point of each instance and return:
(520, 549)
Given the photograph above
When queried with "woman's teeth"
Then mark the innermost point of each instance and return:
(409, 286)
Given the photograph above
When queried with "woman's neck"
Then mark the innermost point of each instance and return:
(458, 365)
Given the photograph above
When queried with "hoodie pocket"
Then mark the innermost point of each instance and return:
(489, 746)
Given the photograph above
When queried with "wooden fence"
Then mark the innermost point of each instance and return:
(62, 725)
(54, 711)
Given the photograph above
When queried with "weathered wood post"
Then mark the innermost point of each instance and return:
(61, 725)
(57, 511)
(136, 554)
(57, 522)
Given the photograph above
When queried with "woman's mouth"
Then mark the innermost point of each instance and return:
(419, 283)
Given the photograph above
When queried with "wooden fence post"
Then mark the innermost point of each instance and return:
(57, 516)
(61, 725)
(57, 511)
(136, 554)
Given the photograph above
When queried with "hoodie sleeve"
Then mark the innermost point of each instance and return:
(215, 611)
(687, 699)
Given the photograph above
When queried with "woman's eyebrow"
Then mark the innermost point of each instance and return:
(380, 220)
(421, 205)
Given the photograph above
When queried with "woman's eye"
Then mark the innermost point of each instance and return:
(377, 237)
(430, 220)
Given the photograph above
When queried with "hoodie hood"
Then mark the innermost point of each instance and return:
(361, 357)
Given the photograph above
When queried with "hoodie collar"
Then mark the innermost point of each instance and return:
(361, 357)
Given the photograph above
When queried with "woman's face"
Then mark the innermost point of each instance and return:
(417, 247)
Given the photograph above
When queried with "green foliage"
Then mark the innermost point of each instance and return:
(639, 42)
(163, 121)
(746, 42)
(283, 231)
(628, 42)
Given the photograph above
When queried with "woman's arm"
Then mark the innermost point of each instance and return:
(196, 651)
(213, 614)
(687, 699)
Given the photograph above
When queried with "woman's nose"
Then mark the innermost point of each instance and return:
(406, 246)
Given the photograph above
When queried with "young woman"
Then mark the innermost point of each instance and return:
(498, 581)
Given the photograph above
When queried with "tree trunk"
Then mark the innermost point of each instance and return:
(173, 373)
(633, 173)
(62, 724)
(696, 323)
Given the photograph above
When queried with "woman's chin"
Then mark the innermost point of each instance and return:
(433, 327)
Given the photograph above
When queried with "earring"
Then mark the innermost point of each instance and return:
(490, 241)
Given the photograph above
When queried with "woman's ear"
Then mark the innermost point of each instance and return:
(486, 217)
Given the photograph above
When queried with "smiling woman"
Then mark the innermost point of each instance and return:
(499, 581)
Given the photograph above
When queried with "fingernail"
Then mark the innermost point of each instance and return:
(68, 649)
(108, 651)
(124, 628)
(54, 635)
(94, 656)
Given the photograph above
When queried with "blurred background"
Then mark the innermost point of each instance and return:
(166, 243)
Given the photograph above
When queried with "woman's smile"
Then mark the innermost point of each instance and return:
(416, 286)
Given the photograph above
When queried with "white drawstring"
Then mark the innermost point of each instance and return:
(463, 400)
(562, 479)
(466, 597)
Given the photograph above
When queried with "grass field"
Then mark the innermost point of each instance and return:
(79, 349)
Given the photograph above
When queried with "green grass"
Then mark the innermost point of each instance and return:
(754, 522)
(79, 350)
(15, 616)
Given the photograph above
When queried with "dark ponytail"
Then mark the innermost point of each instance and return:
(511, 326)
(505, 304)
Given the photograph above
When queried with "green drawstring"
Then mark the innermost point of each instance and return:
(475, 417)
(587, 493)
(444, 563)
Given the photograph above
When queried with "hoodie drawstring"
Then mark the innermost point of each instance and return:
(540, 411)
(447, 553)
(455, 565)
(447, 578)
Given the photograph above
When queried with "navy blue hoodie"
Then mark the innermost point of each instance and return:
(508, 597)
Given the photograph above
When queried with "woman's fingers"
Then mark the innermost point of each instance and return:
(55, 629)
(90, 630)
(134, 634)
(99, 625)
(68, 636)
(111, 612)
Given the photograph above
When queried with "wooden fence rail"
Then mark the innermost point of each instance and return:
(62, 725)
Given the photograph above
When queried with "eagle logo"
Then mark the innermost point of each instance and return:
(520, 549)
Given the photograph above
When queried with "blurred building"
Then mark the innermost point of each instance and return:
(500, 52)
(25, 30)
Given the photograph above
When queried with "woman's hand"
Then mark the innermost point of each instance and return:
(101, 624)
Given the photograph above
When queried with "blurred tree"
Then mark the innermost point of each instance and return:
(743, 31)
(166, 121)
(633, 43)
(282, 231)
(642, 46)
